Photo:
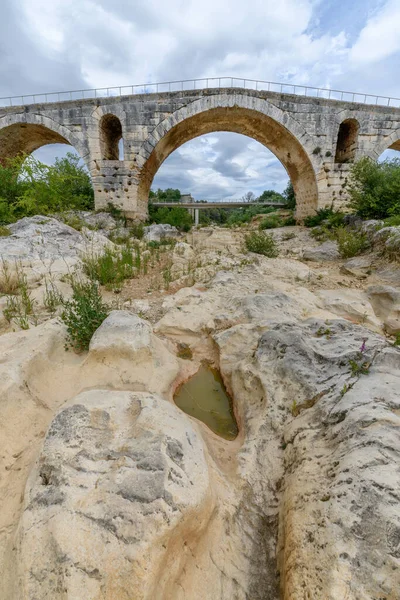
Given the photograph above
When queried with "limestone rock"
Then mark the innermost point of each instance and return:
(338, 519)
(383, 234)
(43, 243)
(124, 349)
(371, 227)
(325, 252)
(120, 487)
(350, 304)
(386, 304)
(357, 266)
(156, 233)
(99, 220)
(183, 259)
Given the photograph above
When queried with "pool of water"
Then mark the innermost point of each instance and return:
(204, 396)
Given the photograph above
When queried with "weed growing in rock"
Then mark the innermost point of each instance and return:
(137, 230)
(112, 267)
(351, 243)
(20, 305)
(83, 314)
(73, 221)
(324, 332)
(8, 278)
(52, 297)
(360, 366)
(261, 243)
(397, 340)
(4, 231)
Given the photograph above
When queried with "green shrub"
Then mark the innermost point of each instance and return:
(397, 339)
(393, 221)
(4, 231)
(83, 314)
(289, 222)
(321, 215)
(351, 243)
(374, 188)
(261, 243)
(240, 216)
(271, 222)
(112, 267)
(29, 187)
(176, 216)
(137, 230)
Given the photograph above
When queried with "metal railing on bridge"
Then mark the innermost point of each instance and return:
(198, 84)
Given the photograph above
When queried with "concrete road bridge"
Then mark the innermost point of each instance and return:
(316, 134)
(195, 207)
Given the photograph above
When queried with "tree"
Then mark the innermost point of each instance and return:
(289, 196)
(248, 197)
(374, 188)
(29, 187)
(271, 196)
(168, 195)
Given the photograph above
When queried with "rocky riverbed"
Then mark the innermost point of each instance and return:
(108, 490)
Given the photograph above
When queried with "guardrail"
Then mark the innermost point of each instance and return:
(198, 84)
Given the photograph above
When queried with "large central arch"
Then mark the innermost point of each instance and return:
(250, 116)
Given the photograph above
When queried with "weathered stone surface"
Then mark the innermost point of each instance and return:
(310, 136)
(183, 260)
(353, 305)
(325, 252)
(124, 351)
(156, 233)
(46, 240)
(359, 266)
(117, 502)
(119, 488)
(386, 304)
(99, 220)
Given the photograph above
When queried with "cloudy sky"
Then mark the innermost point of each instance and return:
(345, 44)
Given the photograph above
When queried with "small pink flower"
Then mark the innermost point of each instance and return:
(363, 345)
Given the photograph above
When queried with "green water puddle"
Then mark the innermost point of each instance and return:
(204, 396)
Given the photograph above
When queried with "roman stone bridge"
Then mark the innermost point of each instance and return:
(316, 139)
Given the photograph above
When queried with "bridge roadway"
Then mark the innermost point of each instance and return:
(194, 207)
(125, 137)
(217, 204)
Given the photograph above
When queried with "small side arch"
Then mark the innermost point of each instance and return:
(347, 141)
(390, 142)
(25, 133)
(110, 134)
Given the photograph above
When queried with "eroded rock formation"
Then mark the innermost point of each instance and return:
(108, 490)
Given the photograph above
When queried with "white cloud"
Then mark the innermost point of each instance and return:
(380, 37)
(98, 43)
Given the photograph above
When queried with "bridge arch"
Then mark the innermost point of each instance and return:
(24, 133)
(347, 141)
(391, 142)
(247, 115)
(110, 134)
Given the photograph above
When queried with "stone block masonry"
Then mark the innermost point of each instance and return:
(316, 139)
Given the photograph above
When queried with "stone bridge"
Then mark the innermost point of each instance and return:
(315, 139)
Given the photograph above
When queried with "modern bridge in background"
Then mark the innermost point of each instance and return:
(194, 207)
(316, 133)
